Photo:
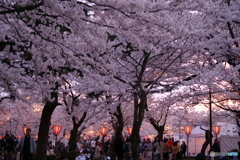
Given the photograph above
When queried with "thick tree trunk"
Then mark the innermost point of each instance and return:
(120, 124)
(204, 147)
(159, 129)
(135, 141)
(118, 133)
(45, 123)
(160, 132)
(118, 128)
(73, 138)
(74, 132)
(139, 110)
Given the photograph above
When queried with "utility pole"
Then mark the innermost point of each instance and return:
(210, 118)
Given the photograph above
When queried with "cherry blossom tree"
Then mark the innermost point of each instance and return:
(39, 47)
(148, 64)
(225, 37)
(158, 114)
(14, 116)
(82, 108)
(120, 47)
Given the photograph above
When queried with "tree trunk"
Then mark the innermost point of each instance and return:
(118, 128)
(160, 132)
(120, 124)
(45, 122)
(135, 141)
(73, 138)
(74, 132)
(118, 133)
(159, 129)
(139, 110)
(204, 147)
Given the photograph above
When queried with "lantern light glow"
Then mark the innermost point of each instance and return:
(129, 129)
(56, 130)
(103, 131)
(216, 130)
(188, 130)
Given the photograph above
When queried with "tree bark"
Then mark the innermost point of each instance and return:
(159, 129)
(118, 128)
(73, 138)
(139, 110)
(45, 122)
(204, 147)
(74, 132)
(120, 124)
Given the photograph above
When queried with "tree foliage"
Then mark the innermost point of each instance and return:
(119, 48)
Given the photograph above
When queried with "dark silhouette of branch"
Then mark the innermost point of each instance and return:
(227, 109)
(22, 8)
(231, 33)
(7, 97)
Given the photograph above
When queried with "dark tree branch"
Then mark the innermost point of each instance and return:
(22, 9)
(231, 33)
(7, 97)
(227, 109)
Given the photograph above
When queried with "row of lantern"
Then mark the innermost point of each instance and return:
(103, 130)
(57, 129)
(188, 129)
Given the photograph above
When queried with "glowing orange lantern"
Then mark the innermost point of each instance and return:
(103, 131)
(18, 137)
(187, 130)
(56, 130)
(216, 130)
(129, 129)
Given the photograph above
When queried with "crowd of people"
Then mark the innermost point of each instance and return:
(95, 149)
(150, 150)
(163, 149)
(98, 149)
